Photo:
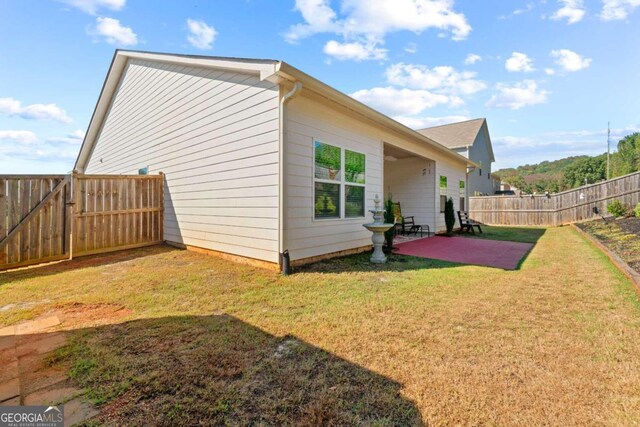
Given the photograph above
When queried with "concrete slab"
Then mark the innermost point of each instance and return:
(7, 331)
(11, 402)
(77, 411)
(484, 252)
(9, 389)
(37, 325)
(9, 371)
(51, 396)
(38, 344)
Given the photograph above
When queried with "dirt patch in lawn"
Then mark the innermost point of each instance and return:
(76, 314)
(621, 236)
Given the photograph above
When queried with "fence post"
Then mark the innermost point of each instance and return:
(71, 213)
(161, 225)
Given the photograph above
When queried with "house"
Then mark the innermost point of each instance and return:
(259, 157)
(470, 139)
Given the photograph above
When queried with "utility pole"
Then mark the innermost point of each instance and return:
(608, 148)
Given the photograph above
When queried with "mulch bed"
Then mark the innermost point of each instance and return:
(622, 236)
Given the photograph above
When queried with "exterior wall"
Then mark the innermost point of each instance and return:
(415, 191)
(479, 153)
(454, 174)
(215, 136)
(308, 120)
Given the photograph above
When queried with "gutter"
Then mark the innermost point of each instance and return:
(292, 74)
(297, 87)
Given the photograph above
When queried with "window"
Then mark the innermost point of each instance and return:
(338, 192)
(480, 171)
(462, 195)
(443, 192)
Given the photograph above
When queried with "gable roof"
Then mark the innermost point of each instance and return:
(267, 69)
(455, 135)
(460, 134)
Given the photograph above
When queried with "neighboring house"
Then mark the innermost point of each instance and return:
(470, 139)
(260, 157)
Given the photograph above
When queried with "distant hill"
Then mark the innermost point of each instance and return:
(571, 172)
(548, 175)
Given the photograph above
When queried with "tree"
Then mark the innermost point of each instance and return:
(627, 159)
(587, 170)
(449, 216)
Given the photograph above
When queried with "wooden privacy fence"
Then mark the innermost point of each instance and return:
(556, 209)
(51, 217)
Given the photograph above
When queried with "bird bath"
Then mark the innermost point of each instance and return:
(378, 227)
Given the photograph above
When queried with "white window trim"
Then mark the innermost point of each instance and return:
(342, 182)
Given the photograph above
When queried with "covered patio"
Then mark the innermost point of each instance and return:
(411, 181)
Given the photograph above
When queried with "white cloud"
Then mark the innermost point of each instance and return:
(20, 136)
(367, 23)
(549, 71)
(356, 51)
(403, 102)
(76, 137)
(519, 62)
(425, 122)
(613, 10)
(13, 107)
(550, 146)
(411, 48)
(16, 146)
(472, 58)
(442, 79)
(518, 95)
(318, 17)
(92, 6)
(572, 10)
(114, 32)
(201, 35)
(570, 61)
(528, 8)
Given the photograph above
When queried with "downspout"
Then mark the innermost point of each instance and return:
(283, 253)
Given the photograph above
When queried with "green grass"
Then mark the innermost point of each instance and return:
(167, 337)
(514, 234)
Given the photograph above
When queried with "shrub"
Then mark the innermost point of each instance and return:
(449, 216)
(617, 208)
(636, 210)
(389, 219)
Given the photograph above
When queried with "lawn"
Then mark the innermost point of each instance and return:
(513, 234)
(168, 337)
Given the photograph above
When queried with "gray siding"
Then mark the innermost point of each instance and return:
(215, 136)
(479, 153)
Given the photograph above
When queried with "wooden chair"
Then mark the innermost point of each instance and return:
(407, 224)
(467, 224)
(401, 222)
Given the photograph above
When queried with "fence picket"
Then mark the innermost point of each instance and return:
(556, 209)
(44, 218)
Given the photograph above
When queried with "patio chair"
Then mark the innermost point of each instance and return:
(406, 224)
(467, 224)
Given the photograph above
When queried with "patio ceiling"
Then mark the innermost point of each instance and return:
(392, 152)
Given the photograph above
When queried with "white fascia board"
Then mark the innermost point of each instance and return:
(292, 74)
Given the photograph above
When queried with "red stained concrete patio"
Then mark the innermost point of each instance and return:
(488, 253)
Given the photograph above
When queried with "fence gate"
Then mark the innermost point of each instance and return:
(46, 218)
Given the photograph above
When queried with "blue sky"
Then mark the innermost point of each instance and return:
(547, 75)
